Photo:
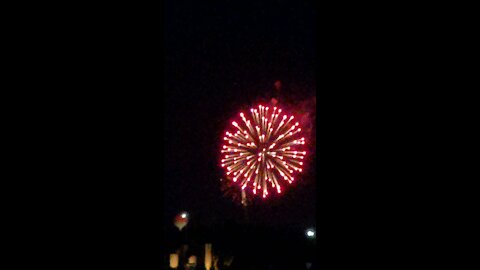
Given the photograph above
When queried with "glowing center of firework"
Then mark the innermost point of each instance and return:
(264, 150)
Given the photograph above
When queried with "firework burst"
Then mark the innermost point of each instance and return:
(264, 150)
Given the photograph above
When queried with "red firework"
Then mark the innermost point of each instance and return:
(264, 151)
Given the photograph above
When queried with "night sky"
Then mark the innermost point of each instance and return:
(222, 56)
(83, 128)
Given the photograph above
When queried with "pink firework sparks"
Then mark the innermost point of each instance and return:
(264, 150)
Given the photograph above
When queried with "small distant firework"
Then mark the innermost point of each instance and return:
(265, 150)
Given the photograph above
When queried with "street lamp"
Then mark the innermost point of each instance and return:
(310, 233)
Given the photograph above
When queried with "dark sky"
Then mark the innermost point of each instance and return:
(220, 56)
